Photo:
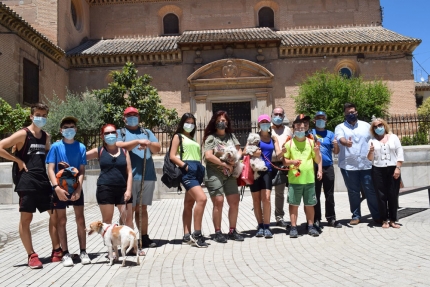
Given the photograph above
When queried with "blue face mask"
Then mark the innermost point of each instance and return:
(132, 121)
(380, 131)
(277, 120)
(265, 127)
(68, 133)
(299, 134)
(351, 118)
(110, 139)
(40, 122)
(320, 124)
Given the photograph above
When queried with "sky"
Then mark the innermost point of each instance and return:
(410, 18)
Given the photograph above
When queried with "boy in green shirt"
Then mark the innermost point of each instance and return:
(300, 155)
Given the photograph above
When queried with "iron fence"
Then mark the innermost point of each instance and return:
(401, 125)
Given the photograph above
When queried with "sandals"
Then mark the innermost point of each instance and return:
(385, 224)
(393, 224)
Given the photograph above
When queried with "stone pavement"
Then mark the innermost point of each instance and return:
(362, 255)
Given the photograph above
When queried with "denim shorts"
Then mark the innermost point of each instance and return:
(194, 176)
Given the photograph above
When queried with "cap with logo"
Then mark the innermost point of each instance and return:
(321, 113)
(130, 110)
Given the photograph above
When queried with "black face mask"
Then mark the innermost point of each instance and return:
(351, 118)
(221, 125)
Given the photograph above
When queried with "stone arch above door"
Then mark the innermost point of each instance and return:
(230, 80)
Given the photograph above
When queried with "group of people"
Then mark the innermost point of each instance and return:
(369, 156)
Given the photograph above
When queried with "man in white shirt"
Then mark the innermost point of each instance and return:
(353, 136)
(281, 132)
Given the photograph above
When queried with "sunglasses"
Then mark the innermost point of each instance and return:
(109, 133)
(379, 126)
(278, 114)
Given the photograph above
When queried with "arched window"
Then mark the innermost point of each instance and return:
(346, 72)
(266, 17)
(171, 24)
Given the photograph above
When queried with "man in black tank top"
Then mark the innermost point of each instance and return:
(33, 186)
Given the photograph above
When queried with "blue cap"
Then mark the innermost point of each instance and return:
(321, 113)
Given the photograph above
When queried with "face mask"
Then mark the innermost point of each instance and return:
(110, 139)
(188, 127)
(265, 127)
(39, 121)
(221, 125)
(68, 133)
(351, 118)
(299, 134)
(380, 131)
(132, 121)
(320, 124)
(277, 120)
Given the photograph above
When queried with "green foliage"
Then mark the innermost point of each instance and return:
(420, 138)
(85, 107)
(324, 91)
(129, 89)
(12, 119)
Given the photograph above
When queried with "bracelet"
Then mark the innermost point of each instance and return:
(398, 167)
(54, 186)
(184, 166)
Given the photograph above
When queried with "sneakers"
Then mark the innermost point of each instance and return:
(267, 233)
(334, 223)
(147, 242)
(260, 232)
(235, 236)
(187, 239)
(67, 260)
(313, 232)
(199, 240)
(34, 262)
(293, 232)
(85, 259)
(281, 223)
(317, 226)
(56, 256)
(219, 237)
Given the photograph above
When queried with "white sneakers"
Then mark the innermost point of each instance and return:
(68, 261)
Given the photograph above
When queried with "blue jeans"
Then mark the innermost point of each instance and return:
(355, 180)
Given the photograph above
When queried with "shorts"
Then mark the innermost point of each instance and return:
(110, 194)
(219, 184)
(63, 204)
(30, 201)
(147, 193)
(297, 191)
(194, 176)
(264, 181)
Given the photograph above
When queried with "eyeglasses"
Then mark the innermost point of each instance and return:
(68, 127)
(278, 114)
(110, 133)
(379, 126)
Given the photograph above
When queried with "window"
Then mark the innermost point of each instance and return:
(266, 18)
(346, 72)
(74, 14)
(30, 82)
(171, 24)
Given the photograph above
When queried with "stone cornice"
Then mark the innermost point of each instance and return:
(348, 49)
(13, 22)
(120, 60)
(110, 2)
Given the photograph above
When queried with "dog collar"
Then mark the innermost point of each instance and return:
(104, 231)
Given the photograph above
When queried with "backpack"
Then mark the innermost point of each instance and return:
(21, 154)
(67, 178)
(172, 174)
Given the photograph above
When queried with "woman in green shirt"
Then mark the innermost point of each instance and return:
(218, 179)
(192, 177)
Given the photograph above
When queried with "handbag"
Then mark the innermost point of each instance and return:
(172, 174)
(280, 178)
(247, 175)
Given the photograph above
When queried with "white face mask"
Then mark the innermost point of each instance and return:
(188, 127)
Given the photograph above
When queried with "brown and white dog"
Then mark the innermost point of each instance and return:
(114, 235)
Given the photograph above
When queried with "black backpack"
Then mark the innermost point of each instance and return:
(172, 174)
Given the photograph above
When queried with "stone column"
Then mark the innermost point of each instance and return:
(262, 103)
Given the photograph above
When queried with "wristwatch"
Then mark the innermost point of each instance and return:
(184, 167)
(54, 186)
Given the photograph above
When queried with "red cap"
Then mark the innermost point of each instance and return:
(130, 110)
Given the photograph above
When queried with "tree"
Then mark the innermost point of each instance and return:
(329, 91)
(129, 89)
(12, 119)
(85, 107)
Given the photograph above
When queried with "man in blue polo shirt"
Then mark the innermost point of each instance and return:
(353, 136)
(136, 139)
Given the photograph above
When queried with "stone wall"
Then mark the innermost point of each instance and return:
(415, 172)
